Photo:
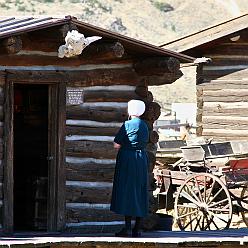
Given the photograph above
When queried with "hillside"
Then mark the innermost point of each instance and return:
(153, 21)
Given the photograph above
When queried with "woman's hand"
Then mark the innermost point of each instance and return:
(117, 146)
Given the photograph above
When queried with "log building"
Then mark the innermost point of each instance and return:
(222, 85)
(59, 117)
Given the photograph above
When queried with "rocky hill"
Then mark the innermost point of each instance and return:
(153, 21)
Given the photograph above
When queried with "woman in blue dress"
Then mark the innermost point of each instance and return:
(130, 193)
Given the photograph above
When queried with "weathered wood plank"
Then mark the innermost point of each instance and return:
(79, 215)
(223, 125)
(227, 84)
(225, 119)
(96, 113)
(227, 74)
(85, 130)
(88, 195)
(90, 149)
(93, 172)
(225, 95)
(225, 109)
(226, 62)
(235, 49)
(225, 132)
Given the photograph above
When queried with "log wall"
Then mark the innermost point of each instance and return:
(222, 93)
(90, 157)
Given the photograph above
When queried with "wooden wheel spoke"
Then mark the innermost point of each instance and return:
(198, 189)
(190, 222)
(188, 197)
(204, 190)
(193, 193)
(212, 220)
(190, 213)
(187, 206)
(216, 216)
(208, 223)
(217, 203)
(197, 223)
(215, 195)
(210, 191)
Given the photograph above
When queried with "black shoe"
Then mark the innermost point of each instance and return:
(124, 233)
(136, 234)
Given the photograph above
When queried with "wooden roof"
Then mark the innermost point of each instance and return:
(10, 26)
(207, 35)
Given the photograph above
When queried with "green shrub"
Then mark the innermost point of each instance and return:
(164, 7)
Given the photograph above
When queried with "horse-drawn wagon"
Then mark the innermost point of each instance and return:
(207, 185)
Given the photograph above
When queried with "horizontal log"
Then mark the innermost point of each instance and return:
(109, 96)
(79, 215)
(142, 91)
(26, 58)
(224, 125)
(90, 172)
(229, 62)
(105, 51)
(41, 40)
(90, 149)
(88, 195)
(227, 84)
(101, 114)
(225, 120)
(225, 132)
(225, 109)
(97, 77)
(225, 74)
(11, 45)
(157, 66)
(223, 49)
(225, 95)
(84, 130)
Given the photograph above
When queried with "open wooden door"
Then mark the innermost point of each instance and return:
(34, 157)
(56, 157)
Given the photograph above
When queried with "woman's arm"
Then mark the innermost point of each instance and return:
(117, 146)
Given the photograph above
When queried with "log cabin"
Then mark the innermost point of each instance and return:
(59, 117)
(222, 85)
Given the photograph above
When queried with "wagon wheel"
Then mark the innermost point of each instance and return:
(244, 204)
(203, 203)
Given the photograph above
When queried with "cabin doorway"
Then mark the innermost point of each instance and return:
(30, 164)
(34, 182)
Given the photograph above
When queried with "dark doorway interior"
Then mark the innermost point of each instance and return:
(30, 157)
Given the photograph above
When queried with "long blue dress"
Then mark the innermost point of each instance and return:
(130, 192)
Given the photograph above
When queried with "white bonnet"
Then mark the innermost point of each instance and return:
(136, 107)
